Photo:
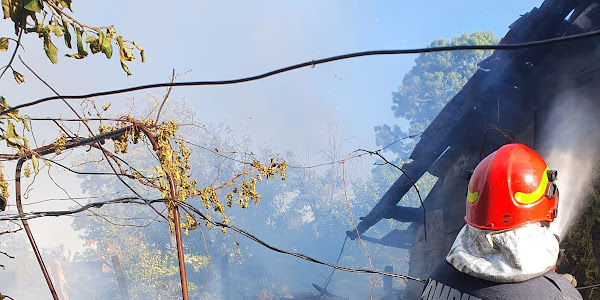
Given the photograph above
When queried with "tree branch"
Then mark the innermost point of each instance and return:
(61, 12)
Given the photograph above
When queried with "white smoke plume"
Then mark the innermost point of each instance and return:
(571, 147)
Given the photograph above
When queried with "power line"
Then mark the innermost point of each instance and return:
(312, 63)
(135, 200)
(58, 213)
(295, 254)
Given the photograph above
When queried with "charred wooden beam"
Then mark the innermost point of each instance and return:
(391, 197)
(481, 117)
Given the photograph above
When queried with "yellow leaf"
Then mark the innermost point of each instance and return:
(11, 132)
(35, 163)
(160, 172)
(25, 124)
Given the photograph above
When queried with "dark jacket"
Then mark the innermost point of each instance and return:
(447, 283)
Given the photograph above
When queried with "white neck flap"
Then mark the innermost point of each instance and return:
(504, 256)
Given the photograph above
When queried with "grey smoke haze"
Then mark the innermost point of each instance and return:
(242, 39)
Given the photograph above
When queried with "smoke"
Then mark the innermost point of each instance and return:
(571, 140)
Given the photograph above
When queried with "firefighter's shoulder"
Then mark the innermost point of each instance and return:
(447, 283)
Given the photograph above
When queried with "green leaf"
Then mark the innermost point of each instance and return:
(34, 161)
(94, 44)
(65, 26)
(56, 29)
(80, 50)
(101, 36)
(105, 44)
(3, 44)
(50, 48)
(19, 78)
(120, 41)
(66, 4)
(33, 5)
(11, 132)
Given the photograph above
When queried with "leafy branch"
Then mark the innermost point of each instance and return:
(48, 18)
(173, 177)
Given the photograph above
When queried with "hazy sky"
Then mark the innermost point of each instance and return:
(216, 40)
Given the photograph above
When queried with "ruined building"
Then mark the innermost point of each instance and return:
(511, 98)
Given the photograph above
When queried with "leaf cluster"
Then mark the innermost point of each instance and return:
(9, 133)
(14, 140)
(173, 176)
(49, 19)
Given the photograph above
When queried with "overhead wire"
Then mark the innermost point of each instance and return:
(135, 200)
(312, 63)
(296, 254)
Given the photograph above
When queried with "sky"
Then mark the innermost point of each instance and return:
(220, 40)
(214, 41)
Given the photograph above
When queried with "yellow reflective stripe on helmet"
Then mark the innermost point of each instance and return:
(535, 195)
(472, 197)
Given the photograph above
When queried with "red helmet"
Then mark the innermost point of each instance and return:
(511, 187)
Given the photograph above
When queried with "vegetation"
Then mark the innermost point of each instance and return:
(165, 173)
(308, 207)
(428, 86)
(52, 18)
(49, 18)
(425, 90)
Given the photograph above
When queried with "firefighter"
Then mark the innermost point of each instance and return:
(506, 250)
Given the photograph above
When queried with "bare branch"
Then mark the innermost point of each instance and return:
(165, 97)
(12, 58)
(354, 224)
